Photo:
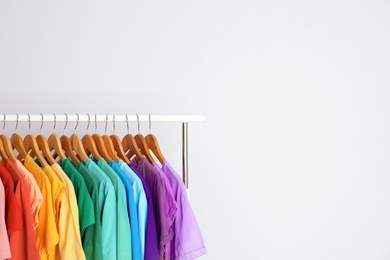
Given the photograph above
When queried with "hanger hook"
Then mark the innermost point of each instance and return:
(78, 117)
(17, 122)
(127, 122)
(89, 121)
(66, 122)
(105, 127)
(29, 123)
(55, 123)
(138, 124)
(113, 123)
(5, 117)
(41, 123)
(150, 124)
(95, 124)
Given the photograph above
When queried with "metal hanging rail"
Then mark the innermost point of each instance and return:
(184, 119)
(100, 118)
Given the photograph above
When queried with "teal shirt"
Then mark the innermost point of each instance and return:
(133, 216)
(92, 235)
(108, 214)
(141, 202)
(124, 242)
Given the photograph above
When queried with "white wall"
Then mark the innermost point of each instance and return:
(293, 161)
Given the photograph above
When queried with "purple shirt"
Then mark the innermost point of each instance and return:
(187, 242)
(171, 217)
(161, 198)
(151, 241)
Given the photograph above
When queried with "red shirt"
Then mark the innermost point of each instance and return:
(22, 242)
(13, 212)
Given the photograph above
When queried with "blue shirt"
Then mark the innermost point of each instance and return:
(141, 203)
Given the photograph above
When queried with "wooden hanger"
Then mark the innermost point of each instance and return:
(144, 147)
(130, 146)
(110, 148)
(17, 143)
(76, 144)
(55, 143)
(140, 140)
(101, 147)
(30, 143)
(89, 143)
(8, 147)
(90, 146)
(68, 148)
(109, 143)
(72, 145)
(3, 154)
(119, 148)
(152, 143)
(100, 144)
(43, 146)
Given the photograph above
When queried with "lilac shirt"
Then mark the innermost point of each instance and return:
(151, 241)
(171, 202)
(171, 217)
(161, 198)
(187, 242)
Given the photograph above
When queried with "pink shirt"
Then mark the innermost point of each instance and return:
(13, 212)
(5, 251)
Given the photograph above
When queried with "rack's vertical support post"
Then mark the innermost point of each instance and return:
(185, 153)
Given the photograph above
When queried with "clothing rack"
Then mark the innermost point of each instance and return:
(54, 118)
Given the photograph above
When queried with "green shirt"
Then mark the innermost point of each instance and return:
(84, 201)
(124, 246)
(107, 206)
(92, 234)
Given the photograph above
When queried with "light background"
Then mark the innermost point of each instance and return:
(293, 160)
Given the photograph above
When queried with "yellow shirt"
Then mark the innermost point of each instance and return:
(46, 233)
(70, 246)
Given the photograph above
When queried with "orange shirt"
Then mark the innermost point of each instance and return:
(22, 242)
(46, 234)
